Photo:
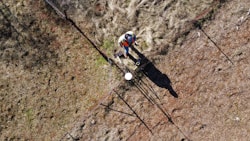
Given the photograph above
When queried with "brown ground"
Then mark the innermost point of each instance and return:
(52, 82)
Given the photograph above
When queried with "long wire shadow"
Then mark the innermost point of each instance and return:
(134, 112)
(199, 26)
(108, 108)
(154, 74)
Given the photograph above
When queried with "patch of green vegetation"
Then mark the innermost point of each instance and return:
(29, 115)
(100, 61)
(127, 2)
(143, 45)
(108, 46)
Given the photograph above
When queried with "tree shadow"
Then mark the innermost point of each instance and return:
(24, 42)
(154, 74)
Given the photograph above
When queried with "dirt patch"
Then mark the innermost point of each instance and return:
(55, 86)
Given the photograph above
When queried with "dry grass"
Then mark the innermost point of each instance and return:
(44, 93)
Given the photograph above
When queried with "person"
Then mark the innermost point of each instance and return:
(127, 40)
(118, 55)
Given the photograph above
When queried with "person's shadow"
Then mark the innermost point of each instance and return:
(155, 75)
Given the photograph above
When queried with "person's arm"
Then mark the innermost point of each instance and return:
(136, 43)
(135, 40)
(121, 44)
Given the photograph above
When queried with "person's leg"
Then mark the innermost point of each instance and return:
(126, 51)
(137, 61)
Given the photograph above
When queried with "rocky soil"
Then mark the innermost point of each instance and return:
(55, 86)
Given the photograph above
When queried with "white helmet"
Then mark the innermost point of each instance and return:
(128, 76)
